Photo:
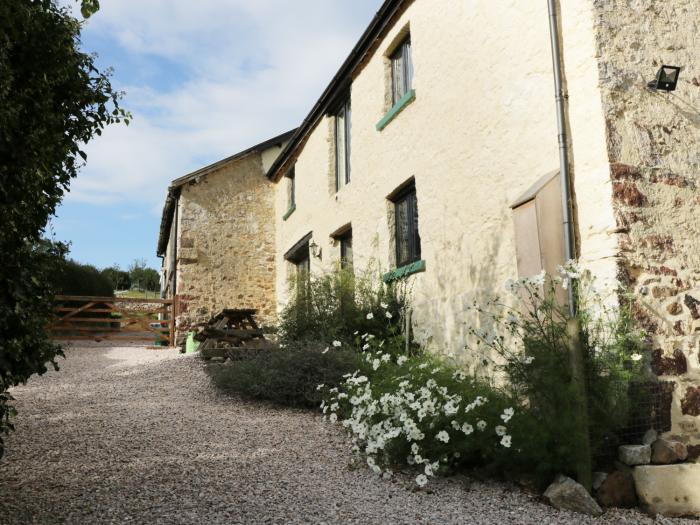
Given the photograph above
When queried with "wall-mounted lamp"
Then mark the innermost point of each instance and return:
(666, 78)
(315, 249)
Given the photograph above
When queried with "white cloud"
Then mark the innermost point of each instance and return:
(245, 72)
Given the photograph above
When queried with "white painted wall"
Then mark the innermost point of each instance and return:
(481, 130)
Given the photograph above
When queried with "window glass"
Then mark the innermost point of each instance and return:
(303, 265)
(408, 247)
(346, 250)
(401, 71)
(298, 256)
(292, 187)
(342, 145)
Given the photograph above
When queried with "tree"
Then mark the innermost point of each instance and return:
(151, 280)
(53, 100)
(143, 277)
(73, 278)
(120, 279)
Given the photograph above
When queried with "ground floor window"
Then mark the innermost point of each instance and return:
(346, 249)
(408, 248)
(298, 257)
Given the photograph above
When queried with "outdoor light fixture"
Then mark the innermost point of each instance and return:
(666, 79)
(315, 249)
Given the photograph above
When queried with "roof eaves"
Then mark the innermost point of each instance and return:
(166, 220)
(382, 19)
(279, 139)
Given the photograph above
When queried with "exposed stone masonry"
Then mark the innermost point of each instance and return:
(654, 159)
(226, 243)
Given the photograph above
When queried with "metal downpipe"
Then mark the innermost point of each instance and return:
(565, 176)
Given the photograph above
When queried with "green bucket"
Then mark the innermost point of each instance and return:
(191, 345)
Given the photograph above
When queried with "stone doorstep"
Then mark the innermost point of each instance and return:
(670, 490)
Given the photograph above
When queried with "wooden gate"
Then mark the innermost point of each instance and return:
(98, 318)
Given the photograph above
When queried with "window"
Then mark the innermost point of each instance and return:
(401, 71)
(303, 265)
(298, 256)
(292, 187)
(342, 145)
(406, 220)
(346, 249)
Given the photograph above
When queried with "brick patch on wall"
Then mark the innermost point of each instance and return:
(690, 404)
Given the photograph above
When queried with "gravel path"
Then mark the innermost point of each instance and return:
(136, 435)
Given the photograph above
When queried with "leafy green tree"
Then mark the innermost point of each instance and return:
(151, 280)
(143, 277)
(73, 278)
(53, 100)
(120, 279)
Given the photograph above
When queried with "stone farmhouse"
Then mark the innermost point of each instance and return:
(439, 152)
(217, 237)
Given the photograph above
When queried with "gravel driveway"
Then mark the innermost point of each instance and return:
(136, 435)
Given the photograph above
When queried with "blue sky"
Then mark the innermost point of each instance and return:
(203, 80)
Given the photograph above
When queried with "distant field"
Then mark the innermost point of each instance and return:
(139, 294)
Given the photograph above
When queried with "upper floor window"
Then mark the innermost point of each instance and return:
(401, 71)
(342, 145)
(291, 200)
(406, 220)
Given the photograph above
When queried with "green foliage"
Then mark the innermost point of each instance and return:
(53, 100)
(340, 305)
(424, 411)
(25, 307)
(89, 7)
(288, 376)
(421, 410)
(535, 349)
(119, 279)
(142, 277)
(74, 278)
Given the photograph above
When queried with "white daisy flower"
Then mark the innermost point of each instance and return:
(507, 414)
(443, 436)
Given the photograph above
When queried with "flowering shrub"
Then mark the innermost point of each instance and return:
(419, 411)
(423, 411)
(334, 305)
(529, 334)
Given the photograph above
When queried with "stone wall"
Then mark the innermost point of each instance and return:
(226, 243)
(654, 153)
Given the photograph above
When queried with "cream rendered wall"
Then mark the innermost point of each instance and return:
(481, 130)
(270, 154)
(596, 233)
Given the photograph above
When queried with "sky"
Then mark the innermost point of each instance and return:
(203, 80)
